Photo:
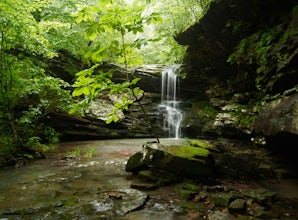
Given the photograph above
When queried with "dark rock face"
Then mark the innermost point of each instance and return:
(215, 37)
(279, 116)
(227, 97)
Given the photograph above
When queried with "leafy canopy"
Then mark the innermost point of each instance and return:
(25, 89)
(32, 32)
(99, 27)
(129, 33)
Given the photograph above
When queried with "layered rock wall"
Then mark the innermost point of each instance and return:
(242, 55)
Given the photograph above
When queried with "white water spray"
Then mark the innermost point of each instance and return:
(169, 105)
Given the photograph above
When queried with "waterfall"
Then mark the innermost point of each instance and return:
(172, 115)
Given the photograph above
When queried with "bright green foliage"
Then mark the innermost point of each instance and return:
(176, 16)
(108, 25)
(27, 95)
(121, 32)
(76, 152)
(116, 31)
(90, 152)
(90, 85)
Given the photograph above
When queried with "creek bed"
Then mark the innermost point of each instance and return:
(65, 186)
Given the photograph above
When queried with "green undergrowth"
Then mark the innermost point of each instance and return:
(77, 152)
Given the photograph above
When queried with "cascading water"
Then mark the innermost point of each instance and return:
(169, 106)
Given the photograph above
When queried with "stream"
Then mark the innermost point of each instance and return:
(95, 187)
(63, 187)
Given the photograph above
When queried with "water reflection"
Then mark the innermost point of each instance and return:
(54, 187)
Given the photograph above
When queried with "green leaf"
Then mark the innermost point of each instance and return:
(137, 91)
(91, 35)
(87, 71)
(109, 120)
(115, 118)
(135, 81)
(81, 91)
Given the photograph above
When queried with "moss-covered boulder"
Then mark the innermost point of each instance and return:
(182, 161)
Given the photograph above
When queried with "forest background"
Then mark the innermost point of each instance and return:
(32, 33)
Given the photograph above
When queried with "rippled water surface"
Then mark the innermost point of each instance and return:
(62, 187)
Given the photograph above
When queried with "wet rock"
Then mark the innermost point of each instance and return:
(221, 199)
(136, 163)
(102, 206)
(202, 196)
(186, 194)
(185, 161)
(159, 177)
(116, 203)
(236, 165)
(202, 160)
(143, 186)
(257, 211)
(131, 200)
(260, 212)
(159, 207)
(238, 206)
(260, 195)
(172, 161)
(279, 116)
(218, 215)
(187, 191)
(194, 206)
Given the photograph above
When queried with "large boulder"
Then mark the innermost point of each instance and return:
(278, 116)
(180, 161)
(278, 122)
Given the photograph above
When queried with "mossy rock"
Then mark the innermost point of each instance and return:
(221, 199)
(187, 190)
(136, 163)
(204, 144)
(193, 206)
(161, 178)
(188, 152)
(184, 161)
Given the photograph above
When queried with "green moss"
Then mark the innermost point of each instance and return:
(268, 49)
(246, 120)
(203, 144)
(187, 151)
(205, 112)
(200, 143)
(194, 206)
(190, 186)
(186, 194)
